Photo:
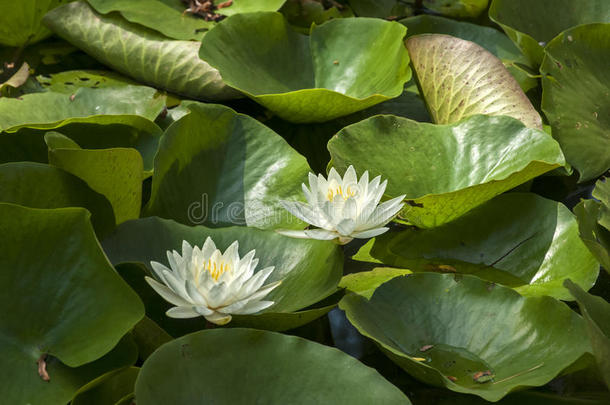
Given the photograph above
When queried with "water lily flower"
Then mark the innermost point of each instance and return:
(206, 282)
(343, 208)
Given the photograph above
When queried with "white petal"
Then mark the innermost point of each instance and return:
(217, 295)
(321, 234)
(302, 211)
(260, 294)
(245, 263)
(256, 281)
(334, 175)
(209, 247)
(158, 269)
(194, 294)
(370, 233)
(167, 294)
(231, 255)
(182, 312)
(349, 178)
(175, 283)
(187, 252)
(350, 209)
(174, 259)
(346, 227)
(218, 318)
(384, 213)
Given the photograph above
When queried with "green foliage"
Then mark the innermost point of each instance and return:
(209, 201)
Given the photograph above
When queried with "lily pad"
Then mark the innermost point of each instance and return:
(593, 217)
(457, 8)
(517, 239)
(445, 170)
(344, 66)
(271, 368)
(20, 22)
(68, 82)
(532, 24)
(576, 96)
(82, 306)
(150, 57)
(115, 173)
(49, 110)
(220, 168)
(596, 312)
(149, 336)
(96, 132)
(38, 185)
(365, 282)
(459, 78)
(310, 269)
(107, 389)
(469, 338)
(18, 78)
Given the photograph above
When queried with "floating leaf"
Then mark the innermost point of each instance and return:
(107, 389)
(68, 82)
(365, 282)
(517, 239)
(344, 66)
(576, 96)
(310, 270)
(532, 24)
(221, 168)
(38, 185)
(593, 217)
(270, 367)
(138, 52)
(115, 173)
(49, 110)
(82, 306)
(96, 132)
(521, 341)
(445, 170)
(596, 312)
(457, 8)
(20, 21)
(459, 78)
(18, 78)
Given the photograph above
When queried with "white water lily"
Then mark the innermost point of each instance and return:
(343, 208)
(206, 282)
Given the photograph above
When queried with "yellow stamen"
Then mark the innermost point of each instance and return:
(339, 191)
(216, 269)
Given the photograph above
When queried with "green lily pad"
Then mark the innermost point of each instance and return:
(517, 239)
(48, 110)
(271, 368)
(107, 389)
(445, 170)
(18, 78)
(457, 8)
(593, 217)
(150, 57)
(115, 173)
(380, 8)
(596, 312)
(532, 24)
(38, 185)
(221, 168)
(459, 78)
(148, 336)
(365, 282)
(96, 132)
(310, 269)
(68, 82)
(576, 96)
(20, 22)
(469, 338)
(310, 78)
(250, 6)
(82, 306)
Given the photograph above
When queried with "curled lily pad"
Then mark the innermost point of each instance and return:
(344, 66)
(150, 57)
(469, 337)
(576, 96)
(532, 24)
(594, 223)
(219, 168)
(596, 312)
(365, 282)
(116, 173)
(517, 239)
(310, 270)
(459, 78)
(271, 367)
(38, 185)
(445, 170)
(82, 306)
